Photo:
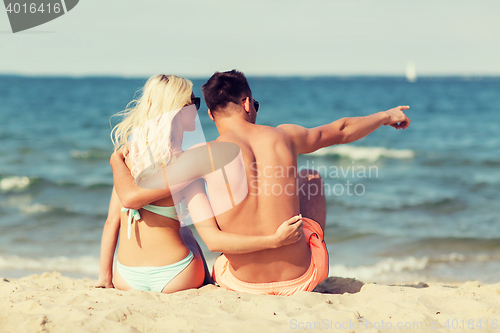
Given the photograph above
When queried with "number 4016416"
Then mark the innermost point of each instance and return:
(471, 323)
(32, 8)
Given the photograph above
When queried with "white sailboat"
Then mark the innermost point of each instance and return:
(411, 72)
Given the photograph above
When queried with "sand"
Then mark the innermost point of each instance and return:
(51, 302)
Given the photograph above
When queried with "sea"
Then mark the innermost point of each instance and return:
(420, 204)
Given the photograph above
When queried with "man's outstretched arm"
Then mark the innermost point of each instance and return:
(344, 130)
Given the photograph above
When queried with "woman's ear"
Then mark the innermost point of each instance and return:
(211, 115)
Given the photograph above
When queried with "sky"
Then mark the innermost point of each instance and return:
(195, 38)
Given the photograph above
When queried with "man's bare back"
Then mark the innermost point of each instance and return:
(271, 166)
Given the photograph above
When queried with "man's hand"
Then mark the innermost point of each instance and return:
(397, 118)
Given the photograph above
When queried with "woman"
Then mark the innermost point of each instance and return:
(155, 252)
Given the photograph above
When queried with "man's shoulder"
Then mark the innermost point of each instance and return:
(226, 137)
(257, 131)
(279, 131)
(285, 128)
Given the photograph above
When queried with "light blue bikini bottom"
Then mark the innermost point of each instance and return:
(152, 278)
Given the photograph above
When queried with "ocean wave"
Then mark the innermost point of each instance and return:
(458, 160)
(391, 267)
(90, 154)
(99, 186)
(456, 246)
(370, 154)
(455, 256)
(33, 209)
(449, 257)
(491, 163)
(439, 205)
(87, 264)
(15, 183)
(384, 267)
(25, 205)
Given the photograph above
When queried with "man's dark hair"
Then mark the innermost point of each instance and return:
(223, 88)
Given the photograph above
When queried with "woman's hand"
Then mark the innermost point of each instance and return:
(121, 153)
(289, 231)
(103, 283)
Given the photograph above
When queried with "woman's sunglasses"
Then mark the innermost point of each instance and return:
(196, 102)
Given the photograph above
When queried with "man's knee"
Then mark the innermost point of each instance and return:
(312, 199)
(311, 181)
(310, 175)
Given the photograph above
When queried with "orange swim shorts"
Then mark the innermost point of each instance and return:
(317, 271)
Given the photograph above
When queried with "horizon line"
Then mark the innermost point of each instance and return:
(302, 76)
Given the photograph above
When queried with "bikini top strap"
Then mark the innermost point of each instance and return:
(132, 214)
(167, 211)
(211, 158)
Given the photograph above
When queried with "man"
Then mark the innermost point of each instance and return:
(276, 190)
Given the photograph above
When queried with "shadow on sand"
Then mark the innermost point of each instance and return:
(339, 285)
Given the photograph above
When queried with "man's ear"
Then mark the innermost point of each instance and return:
(246, 105)
(211, 115)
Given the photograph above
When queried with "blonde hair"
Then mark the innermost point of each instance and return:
(149, 120)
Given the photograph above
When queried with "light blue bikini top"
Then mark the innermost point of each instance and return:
(167, 211)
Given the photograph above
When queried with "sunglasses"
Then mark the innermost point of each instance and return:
(255, 104)
(196, 102)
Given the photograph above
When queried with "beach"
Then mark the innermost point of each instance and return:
(52, 302)
(403, 207)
